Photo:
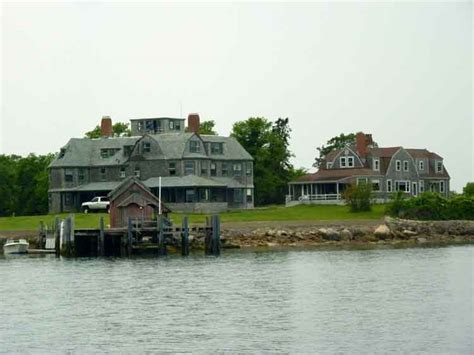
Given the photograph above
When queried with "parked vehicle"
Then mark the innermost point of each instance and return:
(13, 246)
(97, 204)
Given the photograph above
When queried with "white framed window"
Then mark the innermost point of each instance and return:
(342, 162)
(122, 172)
(422, 186)
(421, 165)
(442, 187)
(405, 165)
(402, 185)
(237, 169)
(375, 185)
(136, 172)
(346, 162)
(171, 125)
(389, 185)
(194, 147)
(146, 147)
(414, 188)
(376, 164)
(398, 165)
(439, 166)
(328, 165)
(350, 162)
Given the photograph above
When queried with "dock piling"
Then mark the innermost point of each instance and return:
(185, 237)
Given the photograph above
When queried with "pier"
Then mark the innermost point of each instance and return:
(139, 236)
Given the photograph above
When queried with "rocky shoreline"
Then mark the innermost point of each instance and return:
(389, 232)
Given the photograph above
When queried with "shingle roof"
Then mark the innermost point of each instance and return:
(337, 174)
(423, 153)
(84, 152)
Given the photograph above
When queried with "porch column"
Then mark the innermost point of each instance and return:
(337, 190)
(302, 190)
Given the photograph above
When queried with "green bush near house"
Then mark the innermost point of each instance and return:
(358, 197)
(432, 206)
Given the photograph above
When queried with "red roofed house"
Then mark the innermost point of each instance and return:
(388, 170)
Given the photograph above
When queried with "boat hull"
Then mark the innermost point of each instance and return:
(16, 248)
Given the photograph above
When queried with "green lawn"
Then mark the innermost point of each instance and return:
(272, 213)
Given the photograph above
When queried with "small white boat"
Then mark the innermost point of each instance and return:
(16, 246)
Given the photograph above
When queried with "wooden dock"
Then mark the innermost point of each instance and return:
(140, 236)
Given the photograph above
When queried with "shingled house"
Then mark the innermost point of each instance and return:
(391, 169)
(200, 173)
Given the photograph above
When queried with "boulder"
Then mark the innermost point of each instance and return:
(421, 240)
(408, 233)
(382, 232)
(329, 234)
(346, 234)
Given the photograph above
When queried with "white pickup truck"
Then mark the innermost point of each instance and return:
(99, 203)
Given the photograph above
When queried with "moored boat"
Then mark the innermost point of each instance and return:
(18, 246)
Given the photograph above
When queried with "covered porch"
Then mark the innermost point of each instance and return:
(312, 192)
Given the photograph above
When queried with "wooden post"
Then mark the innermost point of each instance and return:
(129, 236)
(216, 235)
(57, 233)
(185, 237)
(161, 237)
(72, 227)
(208, 237)
(101, 238)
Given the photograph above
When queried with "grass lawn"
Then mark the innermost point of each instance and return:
(272, 213)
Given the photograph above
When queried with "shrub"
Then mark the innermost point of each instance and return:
(468, 190)
(358, 197)
(432, 206)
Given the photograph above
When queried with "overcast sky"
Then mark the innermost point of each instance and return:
(401, 71)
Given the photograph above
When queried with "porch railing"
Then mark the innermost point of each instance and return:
(316, 197)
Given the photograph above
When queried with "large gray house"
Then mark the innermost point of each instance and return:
(391, 169)
(199, 173)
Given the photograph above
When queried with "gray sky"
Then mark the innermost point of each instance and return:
(401, 71)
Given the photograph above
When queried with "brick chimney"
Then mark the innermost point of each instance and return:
(106, 127)
(193, 122)
(363, 141)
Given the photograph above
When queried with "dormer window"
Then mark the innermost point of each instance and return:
(421, 165)
(146, 147)
(122, 172)
(328, 165)
(347, 162)
(376, 164)
(61, 153)
(194, 147)
(136, 172)
(108, 152)
(217, 148)
(398, 165)
(439, 166)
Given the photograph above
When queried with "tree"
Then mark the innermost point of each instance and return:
(468, 190)
(119, 129)
(24, 184)
(207, 127)
(337, 142)
(268, 144)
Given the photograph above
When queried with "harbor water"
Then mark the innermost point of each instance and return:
(358, 301)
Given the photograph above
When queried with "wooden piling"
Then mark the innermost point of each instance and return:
(161, 237)
(185, 237)
(57, 234)
(129, 236)
(216, 235)
(101, 238)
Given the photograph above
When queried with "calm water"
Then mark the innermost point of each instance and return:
(377, 301)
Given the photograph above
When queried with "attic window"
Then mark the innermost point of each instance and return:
(376, 165)
(108, 152)
(217, 148)
(146, 147)
(137, 172)
(405, 165)
(421, 165)
(328, 165)
(347, 162)
(439, 166)
(194, 147)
